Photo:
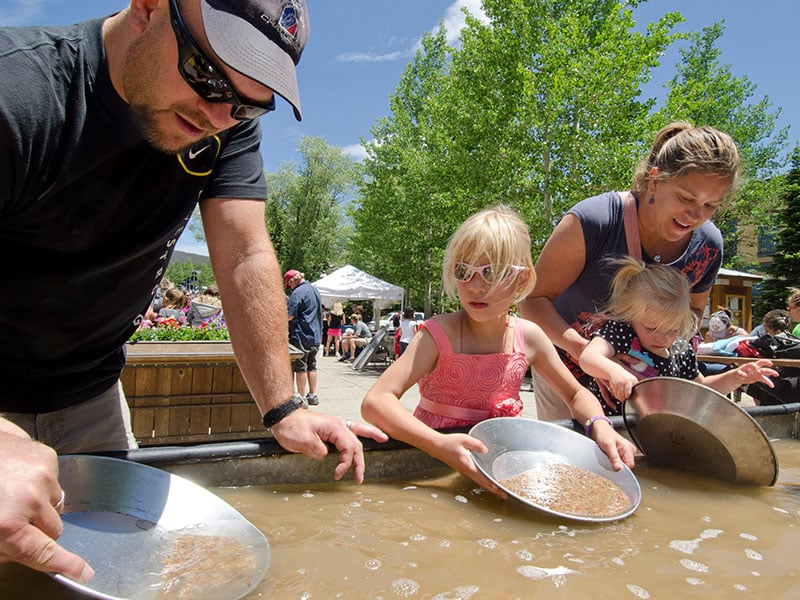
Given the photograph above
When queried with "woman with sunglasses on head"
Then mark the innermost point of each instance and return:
(470, 364)
(664, 218)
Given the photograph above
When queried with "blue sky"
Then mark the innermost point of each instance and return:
(359, 48)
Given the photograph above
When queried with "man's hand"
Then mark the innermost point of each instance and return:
(29, 520)
(306, 432)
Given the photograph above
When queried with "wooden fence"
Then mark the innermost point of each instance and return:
(188, 392)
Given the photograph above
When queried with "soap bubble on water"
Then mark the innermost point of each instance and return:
(685, 546)
(418, 537)
(460, 593)
(488, 543)
(694, 581)
(373, 564)
(618, 561)
(752, 554)
(462, 499)
(308, 495)
(638, 591)
(710, 534)
(525, 555)
(739, 587)
(405, 587)
(444, 544)
(693, 565)
(748, 536)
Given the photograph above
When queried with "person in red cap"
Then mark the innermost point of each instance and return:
(305, 331)
(111, 132)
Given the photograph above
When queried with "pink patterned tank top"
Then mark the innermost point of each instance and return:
(465, 389)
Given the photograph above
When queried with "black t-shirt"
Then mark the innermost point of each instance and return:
(89, 214)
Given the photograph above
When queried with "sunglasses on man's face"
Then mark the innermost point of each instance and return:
(204, 78)
(464, 272)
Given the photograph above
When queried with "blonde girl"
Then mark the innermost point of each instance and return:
(648, 319)
(335, 322)
(470, 364)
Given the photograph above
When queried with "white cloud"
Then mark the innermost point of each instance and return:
(368, 57)
(454, 21)
(355, 151)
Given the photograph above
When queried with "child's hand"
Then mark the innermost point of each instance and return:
(621, 383)
(454, 450)
(757, 371)
(618, 449)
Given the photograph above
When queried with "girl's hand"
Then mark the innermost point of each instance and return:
(453, 449)
(618, 449)
(757, 371)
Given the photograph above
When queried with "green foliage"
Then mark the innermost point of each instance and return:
(179, 333)
(304, 212)
(704, 92)
(785, 269)
(181, 273)
(537, 110)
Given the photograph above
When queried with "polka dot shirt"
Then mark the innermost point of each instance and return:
(681, 362)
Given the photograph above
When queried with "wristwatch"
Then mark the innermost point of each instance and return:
(274, 415)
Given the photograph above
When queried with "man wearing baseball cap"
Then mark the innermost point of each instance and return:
(111, 132)
(305, 331)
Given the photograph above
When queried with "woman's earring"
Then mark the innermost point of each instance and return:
(652, 200)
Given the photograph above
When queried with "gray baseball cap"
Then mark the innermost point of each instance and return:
(262, 39)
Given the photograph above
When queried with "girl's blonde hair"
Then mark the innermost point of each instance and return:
(637, 289)
(680, 149)
(337, 309)
(499, 234)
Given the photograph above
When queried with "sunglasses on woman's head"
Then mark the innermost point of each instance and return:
(464, 272)
(204, 78)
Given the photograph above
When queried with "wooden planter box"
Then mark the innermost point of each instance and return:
(188, 392)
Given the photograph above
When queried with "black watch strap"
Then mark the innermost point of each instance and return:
(274, 415)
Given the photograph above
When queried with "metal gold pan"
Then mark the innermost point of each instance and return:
(683, 424)
(150, 534)
(517, 445)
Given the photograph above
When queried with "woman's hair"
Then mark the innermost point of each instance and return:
(498, 233)
(637, 289)
(175, 298)
(209, 299)
(778, 320)
(408, 312)
(794, 298)
(680, 149)
(337, 308)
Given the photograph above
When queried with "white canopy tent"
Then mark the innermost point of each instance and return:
(350, 283)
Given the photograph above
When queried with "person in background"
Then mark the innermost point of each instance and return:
(775, 322)
(305, 331)
(408, 327)
(325, 324)
(721, 327)
(793, 307)
(676, 189)
(646, 327)
(335, 322)
(205, 308)
(470, 364)
(174, 305)
(154, 110)
(358, 338)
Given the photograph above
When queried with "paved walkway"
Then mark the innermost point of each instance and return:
(341, 389)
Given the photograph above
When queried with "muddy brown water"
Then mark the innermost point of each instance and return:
(437, 536)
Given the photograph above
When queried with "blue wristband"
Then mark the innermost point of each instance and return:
(589, 425)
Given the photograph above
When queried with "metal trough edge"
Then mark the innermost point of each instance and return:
(265, 462)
